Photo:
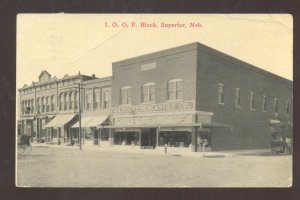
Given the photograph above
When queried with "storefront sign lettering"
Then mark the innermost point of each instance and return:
(185, 105)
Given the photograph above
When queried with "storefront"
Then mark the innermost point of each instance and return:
(174, 125)
(59, 128)
(93, 128)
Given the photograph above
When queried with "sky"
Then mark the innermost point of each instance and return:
(68, 43)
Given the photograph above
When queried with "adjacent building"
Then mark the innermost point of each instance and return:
(182, 98)
(49, 108)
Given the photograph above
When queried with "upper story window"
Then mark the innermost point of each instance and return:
(65, 101)
(96, 98)
(287, 107)
(275, 106)
(70, 100)
(53, 103)
(89, 100)
(174, 89)
(264, 103)
(61, 101)
(148, 93)
(237, 97)
(220, 93)
(38, 104)
(125, 96)
(47, 104)
(76, 100)
(43, 104)
(251, 100)
(23, 107)
(106, 99)
(32, 107)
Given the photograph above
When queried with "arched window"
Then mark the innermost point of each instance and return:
(61, 101)
(174, 89)
(53, 103)
(276, 106)
(220, 93)
(65, 100)
(47, 104)
(125, 95)
(106, 95)
(148, 93)
(43, 104)
(38, 105)
(76, 98)
(89, 99)
(23, 107)
(31, 106)
(70, 101)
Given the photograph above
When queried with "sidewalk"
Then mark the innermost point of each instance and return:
(159, 151)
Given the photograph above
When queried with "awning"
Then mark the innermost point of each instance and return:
(91, 121)
(205, 125)
(27, 117)
(60, 120)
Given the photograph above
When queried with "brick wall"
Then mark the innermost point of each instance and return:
(250, 127)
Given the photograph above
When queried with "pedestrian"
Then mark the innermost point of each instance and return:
(166, 148)
(288, 141)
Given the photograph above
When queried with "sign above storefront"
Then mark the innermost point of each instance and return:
(148, 66)
(170, 106)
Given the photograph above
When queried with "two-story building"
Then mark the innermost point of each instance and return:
(183, 96)
(50, 107)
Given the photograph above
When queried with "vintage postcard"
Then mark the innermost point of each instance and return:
(154, 100)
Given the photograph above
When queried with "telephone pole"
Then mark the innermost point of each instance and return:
(79, 116)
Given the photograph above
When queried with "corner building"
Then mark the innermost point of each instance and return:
(184, 96)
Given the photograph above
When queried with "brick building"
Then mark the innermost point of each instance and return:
(189, 94)
(50, 106)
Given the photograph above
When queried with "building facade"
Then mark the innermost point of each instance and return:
(193, 94)
(182, 98)
(49, 107)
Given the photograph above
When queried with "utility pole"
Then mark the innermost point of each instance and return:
(79, 114)
(79, 87)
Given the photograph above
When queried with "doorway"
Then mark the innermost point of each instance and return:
(148, 138)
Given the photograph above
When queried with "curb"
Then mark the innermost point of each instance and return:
(138, 151)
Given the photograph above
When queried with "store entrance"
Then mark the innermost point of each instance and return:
(148, 138)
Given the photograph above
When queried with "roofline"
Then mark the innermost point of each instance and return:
(194, 44)
(201, 47)
(238, 63)
(56, 80)
(107, 78)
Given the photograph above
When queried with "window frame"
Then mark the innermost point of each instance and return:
(252, 101)
(237, 100)
(106, 99)
(264, 103)
(220, 94)
(275, 107)
(176, 91)
(148, 86)
(127, 99)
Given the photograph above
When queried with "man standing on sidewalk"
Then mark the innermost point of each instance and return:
(288, 141)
